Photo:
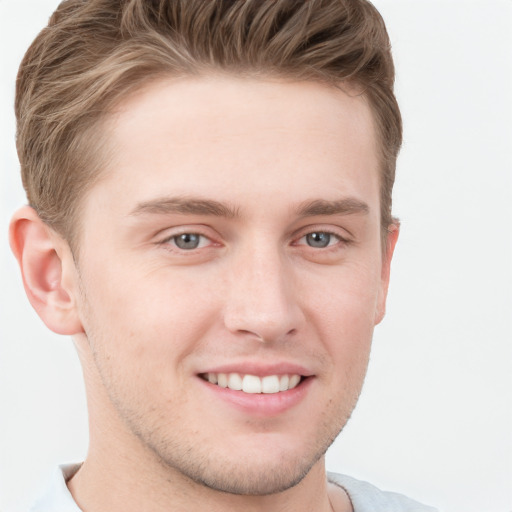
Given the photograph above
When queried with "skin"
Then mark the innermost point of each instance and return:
(148, 317)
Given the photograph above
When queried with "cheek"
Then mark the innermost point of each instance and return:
(347, 299)
(137, 314)
(343, 314)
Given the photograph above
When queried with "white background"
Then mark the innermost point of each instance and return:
(435, 417)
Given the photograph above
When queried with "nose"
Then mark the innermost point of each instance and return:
(261, 300)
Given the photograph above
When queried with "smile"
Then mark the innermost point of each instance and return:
(252, 383)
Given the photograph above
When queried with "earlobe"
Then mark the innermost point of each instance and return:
(391, 239)
(45, 259)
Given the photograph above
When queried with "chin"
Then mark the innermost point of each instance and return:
(265, 469)
(252, 478)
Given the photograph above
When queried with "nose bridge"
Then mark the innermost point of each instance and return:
(261, 299)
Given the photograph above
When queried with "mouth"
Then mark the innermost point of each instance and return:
(253, 384)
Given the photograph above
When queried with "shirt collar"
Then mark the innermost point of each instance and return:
(57, 496)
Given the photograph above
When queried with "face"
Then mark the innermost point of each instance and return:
(231, 275)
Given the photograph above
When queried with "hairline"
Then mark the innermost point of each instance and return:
(97, 133)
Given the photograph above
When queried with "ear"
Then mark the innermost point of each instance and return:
(48, 271)
(391, 239)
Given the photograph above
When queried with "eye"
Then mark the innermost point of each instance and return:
(189, 241)
(320, 239)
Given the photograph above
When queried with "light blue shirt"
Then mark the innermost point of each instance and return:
(364, 496)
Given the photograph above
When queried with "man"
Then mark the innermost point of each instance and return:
(210, 219)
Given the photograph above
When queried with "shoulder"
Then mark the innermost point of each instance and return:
(366, 497)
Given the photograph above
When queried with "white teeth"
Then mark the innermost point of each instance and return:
(294, 381)
(252, 383)
(222, 380)
(235, 381)
(270, 384)
(284, 382)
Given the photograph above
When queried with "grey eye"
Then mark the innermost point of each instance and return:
(187, 241)
(319, 239)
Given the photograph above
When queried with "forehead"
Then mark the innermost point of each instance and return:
(217, 134)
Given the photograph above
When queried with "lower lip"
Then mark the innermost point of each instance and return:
(261, 404)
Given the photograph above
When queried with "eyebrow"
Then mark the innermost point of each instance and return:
(197, 206)
(346, 206)
(185, 206)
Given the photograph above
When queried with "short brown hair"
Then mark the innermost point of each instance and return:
(94, 52)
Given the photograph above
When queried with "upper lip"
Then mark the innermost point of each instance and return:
(260, 369)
